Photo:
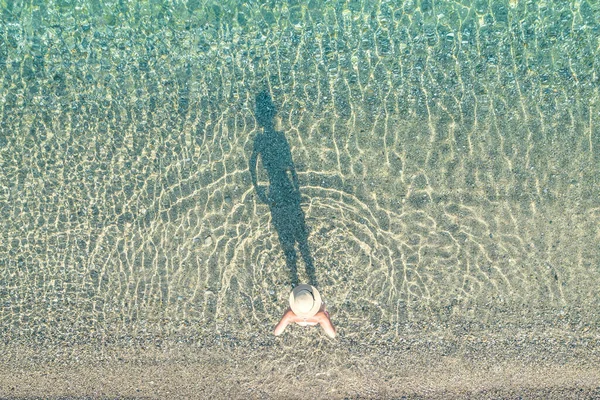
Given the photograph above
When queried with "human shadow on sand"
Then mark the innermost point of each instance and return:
(283, 194)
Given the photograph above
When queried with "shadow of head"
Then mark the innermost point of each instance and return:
(265, 109)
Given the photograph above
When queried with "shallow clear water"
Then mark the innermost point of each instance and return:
(447, 155)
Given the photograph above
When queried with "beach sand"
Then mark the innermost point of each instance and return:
(428, 367)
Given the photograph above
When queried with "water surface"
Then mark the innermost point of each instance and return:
(447, 158)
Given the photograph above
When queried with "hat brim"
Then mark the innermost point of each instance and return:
(316, 295)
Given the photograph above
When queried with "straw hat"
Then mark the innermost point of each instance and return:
(305, 300)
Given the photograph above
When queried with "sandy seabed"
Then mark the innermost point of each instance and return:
(299, 365)
(447, 160)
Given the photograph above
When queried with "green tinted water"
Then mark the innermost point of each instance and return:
(447, 154)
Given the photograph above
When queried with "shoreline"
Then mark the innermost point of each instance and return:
(303, 362)
(218, 378)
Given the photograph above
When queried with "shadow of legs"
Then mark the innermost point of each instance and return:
(308, 261)
(291, 262)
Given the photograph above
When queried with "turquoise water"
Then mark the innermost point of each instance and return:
(447, 157)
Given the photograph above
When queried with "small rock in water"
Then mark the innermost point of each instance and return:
(208, 241)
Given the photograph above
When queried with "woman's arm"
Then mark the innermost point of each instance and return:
(325, 322)
(285, 320)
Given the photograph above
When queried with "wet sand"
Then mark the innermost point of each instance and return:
(427, 367)
(540, 362)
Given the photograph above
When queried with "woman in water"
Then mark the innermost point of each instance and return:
(306, 309)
